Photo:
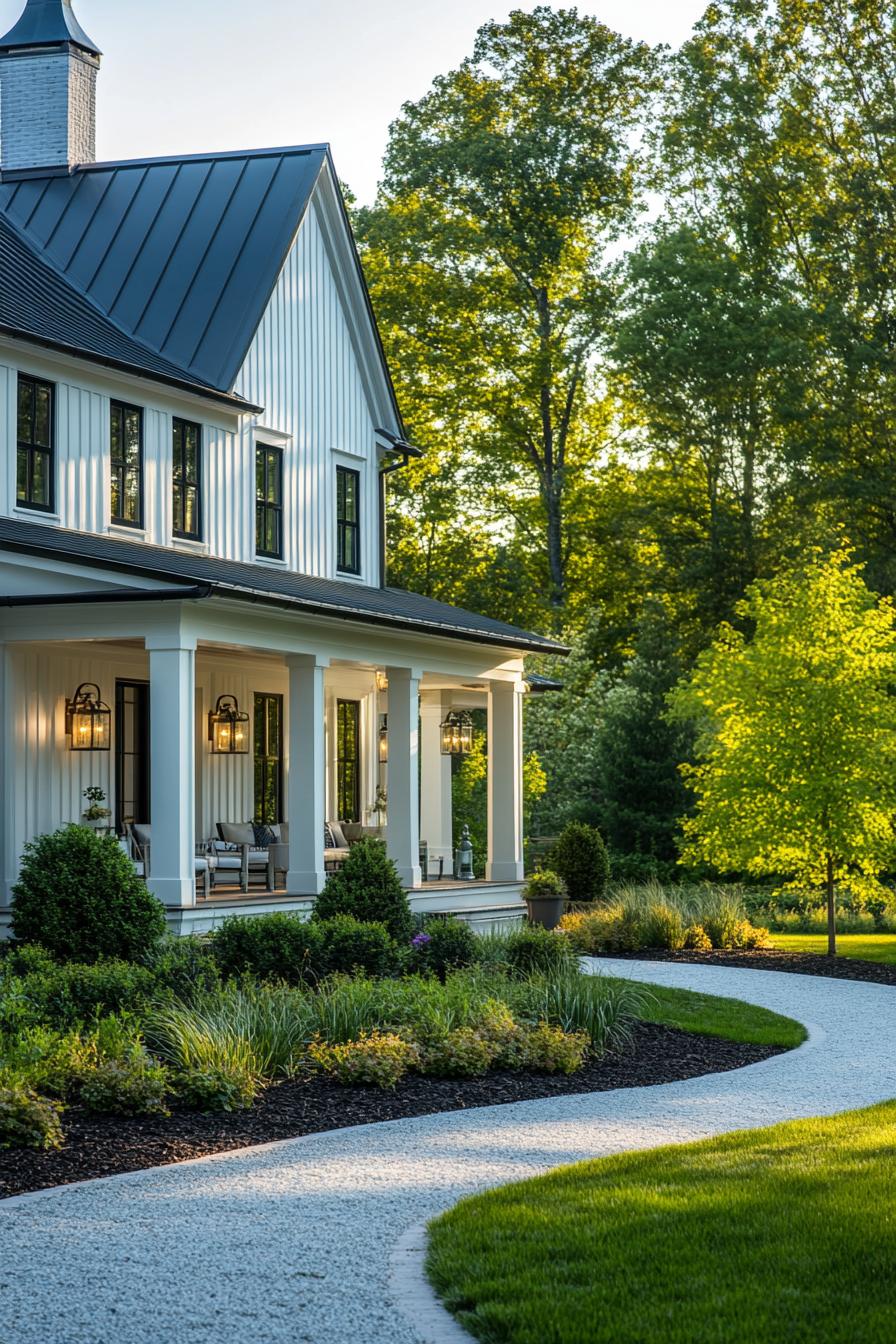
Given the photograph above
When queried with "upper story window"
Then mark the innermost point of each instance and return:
(269, 501)
(348, 520)
(126, 437)
(186, 480)
(35, 457)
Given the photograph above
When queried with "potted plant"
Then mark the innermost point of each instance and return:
(379, 808)
(95, 814)
(545, 897)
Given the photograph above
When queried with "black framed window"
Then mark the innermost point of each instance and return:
(269, 501)
(348, 520)
(268, 739)
(348, 760)
(187, 480)
(34, 434)
(126, 436)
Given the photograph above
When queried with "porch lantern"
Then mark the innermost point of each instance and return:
(384, 739)
(88, 720)
(457, 734)
(228, 727)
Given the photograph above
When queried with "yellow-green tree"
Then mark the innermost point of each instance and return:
(796, 770)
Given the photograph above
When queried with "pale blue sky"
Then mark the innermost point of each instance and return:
(183, 76)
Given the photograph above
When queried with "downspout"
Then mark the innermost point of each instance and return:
(398, 455)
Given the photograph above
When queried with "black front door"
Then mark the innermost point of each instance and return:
(131, 753)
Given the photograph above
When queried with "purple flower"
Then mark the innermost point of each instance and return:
(420, 940)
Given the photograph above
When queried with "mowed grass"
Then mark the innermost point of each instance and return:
(752, 1238)
(867, 946)
(708, 1015)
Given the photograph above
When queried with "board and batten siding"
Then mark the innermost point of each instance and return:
(51, 779)
(302, 367)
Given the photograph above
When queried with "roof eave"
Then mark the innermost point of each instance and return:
(229, 399)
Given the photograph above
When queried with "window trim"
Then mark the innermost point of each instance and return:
(342, 759)
(32, 448)
(124, 407)
(272, 453)
(178, 421)
(343, 525)
(260, 701)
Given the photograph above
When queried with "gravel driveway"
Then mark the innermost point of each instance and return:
(292, 1242)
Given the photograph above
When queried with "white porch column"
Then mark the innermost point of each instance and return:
(403, 815)
(172, 755)
(306, 775)
(9, 859)
(505, 782)
(435, 782)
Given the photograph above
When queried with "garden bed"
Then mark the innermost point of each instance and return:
(773, 959)
(106, 1145)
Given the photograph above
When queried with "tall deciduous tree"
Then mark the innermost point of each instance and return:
(796, 773)
(488, 254)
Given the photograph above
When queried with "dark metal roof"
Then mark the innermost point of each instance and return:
(41, 306)
(46, 23)
(259, 583)
(181, 255)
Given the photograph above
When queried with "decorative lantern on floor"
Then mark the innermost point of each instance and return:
(228, 727)
(384, 739)
(457, 734)
(88, 720)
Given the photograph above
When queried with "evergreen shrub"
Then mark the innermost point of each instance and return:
(580, 857)
(79, 897)
(368, 887)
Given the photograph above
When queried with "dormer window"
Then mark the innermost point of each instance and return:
(269, 501)
(34, 439)
(186, 480)
(126, 440)
(348, 520)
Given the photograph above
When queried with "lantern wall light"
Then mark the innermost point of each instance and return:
(88, 719)
(457, 734)
(384, 739)
(228, 727)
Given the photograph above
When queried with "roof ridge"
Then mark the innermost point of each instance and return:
(206, 156)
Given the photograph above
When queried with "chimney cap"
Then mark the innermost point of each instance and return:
(47, 23)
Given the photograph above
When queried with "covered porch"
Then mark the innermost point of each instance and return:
(332, 718)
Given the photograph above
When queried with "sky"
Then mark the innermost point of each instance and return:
(188, 76)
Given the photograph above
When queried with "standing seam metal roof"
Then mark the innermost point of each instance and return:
(180, 255)
(46, 23)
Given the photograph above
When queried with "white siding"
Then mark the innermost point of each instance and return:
(302, 367)
(50, 779)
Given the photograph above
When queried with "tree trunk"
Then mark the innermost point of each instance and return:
(832, 912)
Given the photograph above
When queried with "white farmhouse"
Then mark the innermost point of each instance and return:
(194, 615)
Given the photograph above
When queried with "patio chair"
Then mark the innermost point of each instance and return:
(236, 841)
(138, 846)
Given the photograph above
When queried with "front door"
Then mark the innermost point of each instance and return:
(131, 754)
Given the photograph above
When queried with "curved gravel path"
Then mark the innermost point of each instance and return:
(292, 1242)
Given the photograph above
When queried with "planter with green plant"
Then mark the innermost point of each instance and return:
(545, 897)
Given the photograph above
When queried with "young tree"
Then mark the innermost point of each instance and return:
(796, 773)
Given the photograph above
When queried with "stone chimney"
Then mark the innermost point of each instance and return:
(48, 69)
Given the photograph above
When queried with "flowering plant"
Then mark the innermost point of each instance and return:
(421, 939)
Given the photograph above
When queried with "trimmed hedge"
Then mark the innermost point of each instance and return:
(79, 897)
(368, 887)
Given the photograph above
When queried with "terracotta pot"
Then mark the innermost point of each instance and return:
(545, 910)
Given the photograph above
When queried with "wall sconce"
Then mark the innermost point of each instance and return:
(382, 681)
(88, 720)
(457, 734)
(384, 739)
(228, 727)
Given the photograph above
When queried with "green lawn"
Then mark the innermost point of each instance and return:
(868, 946)
(711, 1016)
(753, 1238)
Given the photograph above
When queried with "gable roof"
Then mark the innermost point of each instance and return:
(257, 583)
(181, 255)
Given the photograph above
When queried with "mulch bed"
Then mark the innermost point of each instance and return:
(775, 959)
(99, 1145)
